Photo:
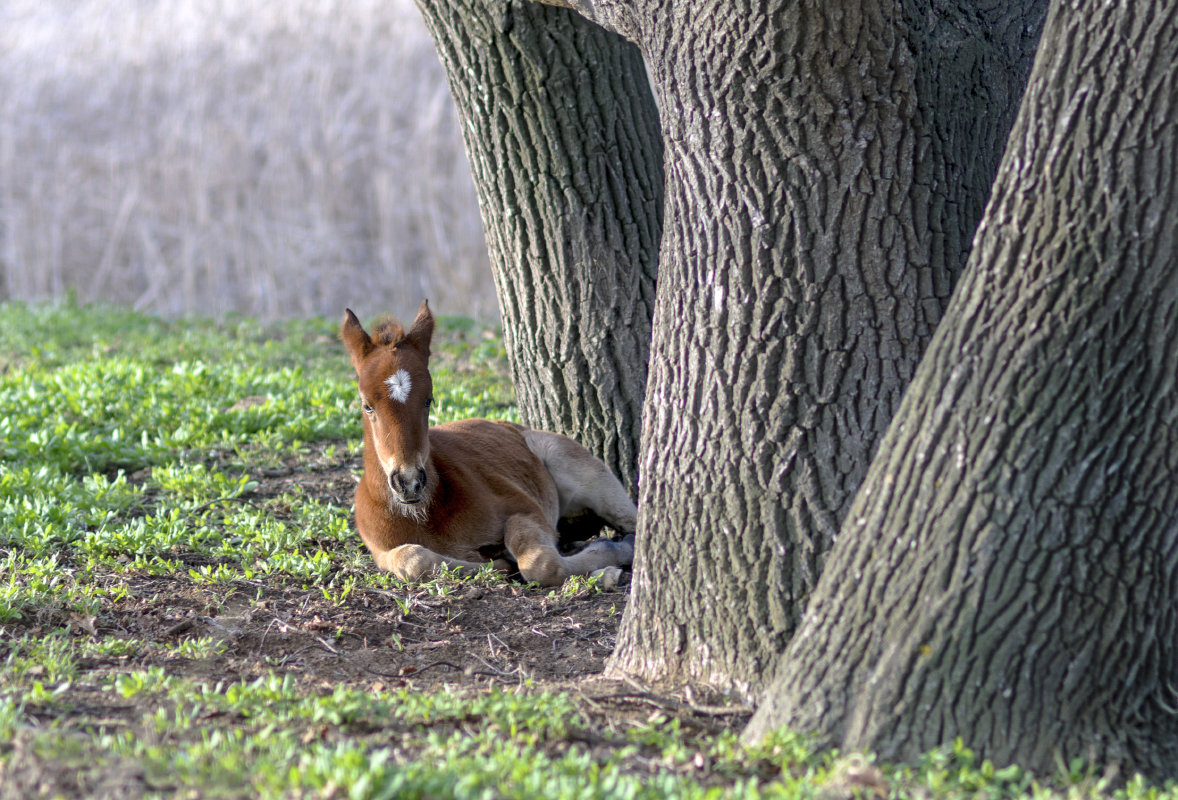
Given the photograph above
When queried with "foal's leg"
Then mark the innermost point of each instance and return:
(533, 543)
(412, 562)
(583, 481)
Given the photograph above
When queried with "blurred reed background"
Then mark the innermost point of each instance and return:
(279, 159)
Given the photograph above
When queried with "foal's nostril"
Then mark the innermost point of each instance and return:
(407, 483)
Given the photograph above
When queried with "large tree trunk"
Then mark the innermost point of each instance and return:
(562, 135)
(814, 229)
(818, 214)
(1009, 570)
(794, 301)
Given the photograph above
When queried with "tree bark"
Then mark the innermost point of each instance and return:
(972, 63)
(1008, 571)
(562, 135)
(790, 317)
(815, 226)
(818, 213)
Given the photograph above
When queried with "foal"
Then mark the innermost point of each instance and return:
(472, 491)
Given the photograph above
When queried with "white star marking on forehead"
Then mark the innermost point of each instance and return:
(399, 385)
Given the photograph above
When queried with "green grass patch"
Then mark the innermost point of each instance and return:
(90, 397)
(132, 450)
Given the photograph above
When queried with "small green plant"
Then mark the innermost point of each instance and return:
(112, 647)
(50, 659)
(130, 684)
(339, 595)
(577, 586)
(197, 647)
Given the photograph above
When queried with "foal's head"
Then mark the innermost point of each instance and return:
(396, 393)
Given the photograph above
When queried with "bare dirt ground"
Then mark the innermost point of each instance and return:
(411, 637)
(469, 639)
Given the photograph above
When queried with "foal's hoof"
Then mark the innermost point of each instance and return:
(607, 578)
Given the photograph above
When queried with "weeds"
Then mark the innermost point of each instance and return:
(132, 459)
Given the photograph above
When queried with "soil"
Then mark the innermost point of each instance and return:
(472, 638)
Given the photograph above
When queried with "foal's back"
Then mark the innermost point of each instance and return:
(486, 474)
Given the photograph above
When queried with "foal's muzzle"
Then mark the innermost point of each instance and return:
(408, 485)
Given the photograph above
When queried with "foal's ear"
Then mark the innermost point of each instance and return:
(356, 339)
(423, 329)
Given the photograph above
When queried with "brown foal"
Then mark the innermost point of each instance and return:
(469, 492)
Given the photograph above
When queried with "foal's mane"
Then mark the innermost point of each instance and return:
(388, 332)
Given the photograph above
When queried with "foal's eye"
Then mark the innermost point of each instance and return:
(429, 402)
(367, 409)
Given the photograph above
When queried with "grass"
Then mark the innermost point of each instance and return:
(128, 449)
(90, 397)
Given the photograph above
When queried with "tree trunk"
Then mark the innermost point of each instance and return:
(790, 317)
(818, 215)
(562, 135)
(1008, 571)
(814, 228)
(972, 63)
